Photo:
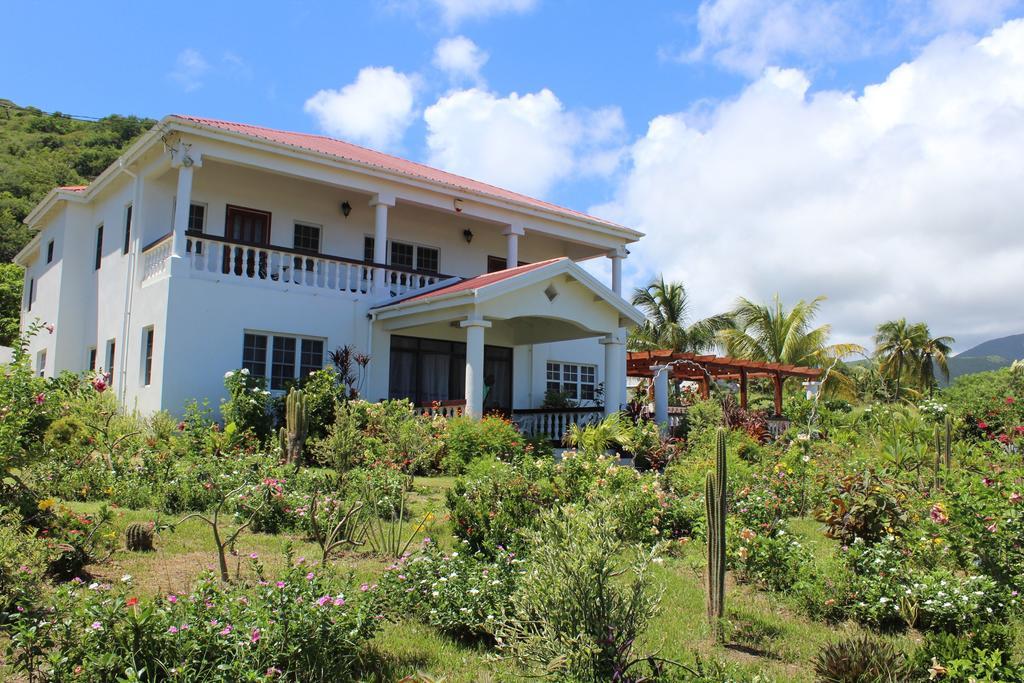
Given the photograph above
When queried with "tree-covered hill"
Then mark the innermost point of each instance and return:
(39, 151)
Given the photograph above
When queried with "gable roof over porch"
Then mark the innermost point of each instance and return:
(498, 295)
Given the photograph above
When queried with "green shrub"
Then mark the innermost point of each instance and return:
(866, 507)
(466, 439)
(579, 608)
(385, 433)
(774, 561)
(703, 415)
(982, 655)
(248, 405)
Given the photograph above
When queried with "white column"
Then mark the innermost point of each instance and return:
(475, 365)
(661, 395)
(512, 232)
(182, 203)
(616, 259)
(380, 203)
(614, 372)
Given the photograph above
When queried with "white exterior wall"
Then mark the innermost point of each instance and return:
(199, 323)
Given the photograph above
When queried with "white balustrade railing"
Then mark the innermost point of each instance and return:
(155, 259)
(447, 409)
(286, 268)
(553, 423)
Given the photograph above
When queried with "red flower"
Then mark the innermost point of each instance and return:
(99, 383)
(982, 424)
(1009, 400)
(132, 601)
(40, 399)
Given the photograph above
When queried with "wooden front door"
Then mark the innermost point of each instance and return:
(248, 227)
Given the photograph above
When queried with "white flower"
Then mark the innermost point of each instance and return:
(473, 591)
(229, 374)
(806, 458)
(244, 371)
(126, 578)
(435, 593)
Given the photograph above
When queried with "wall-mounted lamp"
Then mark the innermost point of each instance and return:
(468, 234)
(346, 208)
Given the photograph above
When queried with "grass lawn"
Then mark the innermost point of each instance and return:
(766, 635)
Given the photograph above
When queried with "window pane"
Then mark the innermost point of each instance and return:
(427, 259)
(554, 372)
(127, 229)
(570, 373)
(312, 358)
(282, 370)
(307, 237)
(196, 217)
(401, 255)
(368, 249)
(254, 354)
(49, 252)
(147, 374)
(99, 247)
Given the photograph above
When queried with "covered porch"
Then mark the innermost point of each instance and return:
(465, 345)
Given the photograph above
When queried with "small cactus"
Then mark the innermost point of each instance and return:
(138, 537)
(296, 423)
(715, 501)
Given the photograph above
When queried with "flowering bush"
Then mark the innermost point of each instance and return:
(248, 405)
(774, 561)
(23, 562)
(865, 507)
(460, 593)
(293, 628)
(385, 433)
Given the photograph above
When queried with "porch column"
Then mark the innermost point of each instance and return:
(185, 164)
(475, 365)
(743, 389)
(661, 394)
(513, 233)
(614, 372)
(380, 204)
(616, 257)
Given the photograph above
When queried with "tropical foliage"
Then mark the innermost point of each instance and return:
(668, 326)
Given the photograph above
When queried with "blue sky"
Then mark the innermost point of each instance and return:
(633, 110)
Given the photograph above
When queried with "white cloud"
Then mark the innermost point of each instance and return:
(375, 109)
(748, 35)
(525, 142)
(189, 69)
(461, 59)
(902, 201)
(456, 11)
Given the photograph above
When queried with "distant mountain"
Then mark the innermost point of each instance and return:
(989, 355)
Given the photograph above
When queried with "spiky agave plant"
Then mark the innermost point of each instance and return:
(861, 658)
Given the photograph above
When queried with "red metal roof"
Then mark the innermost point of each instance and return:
(73, 188)
(362, 155)
(480, 281)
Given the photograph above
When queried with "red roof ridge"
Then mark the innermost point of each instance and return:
(73, 188)
(415, 168)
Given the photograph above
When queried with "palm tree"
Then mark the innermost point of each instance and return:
(770, 333)
(909, 351)
(667, 307)
(934, 354)
(896, 346)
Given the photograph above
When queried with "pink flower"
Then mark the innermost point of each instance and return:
(1015, 497)
(226, 630)
(938, 514)
(49, 327)
(1009, 401)
(982, 424)
(339, 601)
(172, 598)
(253, 556)
(310, 576)
(365, 587)
(172, 629)
(279, 584)
(99, 383)
(40, 399)
(255, 637)
(96, 626)
(323, 600)
(992, 528)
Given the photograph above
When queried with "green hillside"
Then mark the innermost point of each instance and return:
(988, 355)
(39, 151)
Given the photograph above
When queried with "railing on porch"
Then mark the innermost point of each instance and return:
(553, 423)
(215, 257)
(777, 426)
(442, 408)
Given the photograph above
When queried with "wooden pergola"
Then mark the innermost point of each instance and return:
(702, 369)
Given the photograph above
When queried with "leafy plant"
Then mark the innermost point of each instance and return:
(860, 659)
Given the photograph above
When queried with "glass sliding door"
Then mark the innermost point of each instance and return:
(429, 370)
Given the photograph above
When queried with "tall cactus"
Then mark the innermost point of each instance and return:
(715, 502)
(296, 423)
(943, 448)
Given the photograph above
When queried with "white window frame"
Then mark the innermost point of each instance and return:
(41, 363)
(565, 379)
(268, 365)
(147, 355)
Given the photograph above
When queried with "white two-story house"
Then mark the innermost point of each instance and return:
(211, 245)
